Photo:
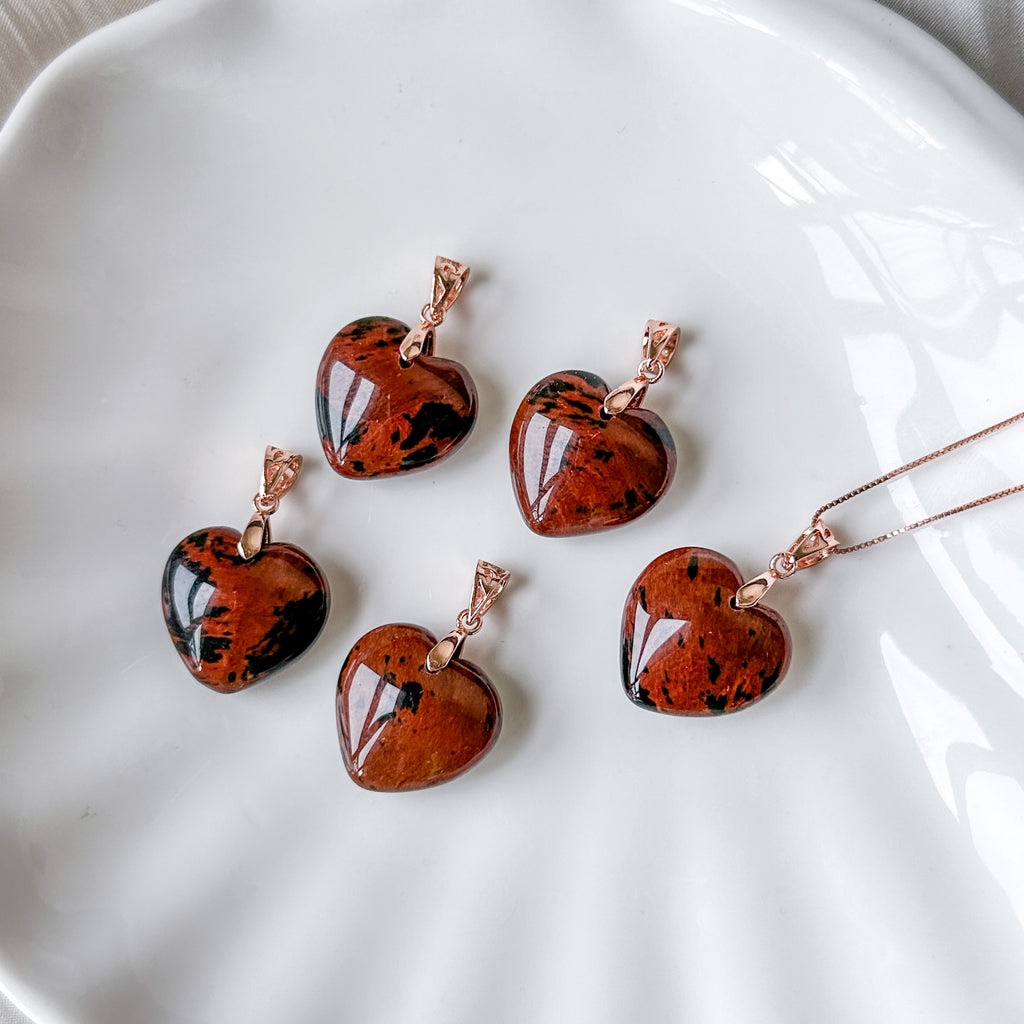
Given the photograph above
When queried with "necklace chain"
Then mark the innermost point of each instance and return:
(818, 542)
(906, 468)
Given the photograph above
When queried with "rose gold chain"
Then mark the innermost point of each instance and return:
(818, 542)
(892, 474)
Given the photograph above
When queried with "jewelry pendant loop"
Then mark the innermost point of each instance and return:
(659, 345)
(490, 580)
(814, 545)
(280, 471)
(418, 342)
(449, 278)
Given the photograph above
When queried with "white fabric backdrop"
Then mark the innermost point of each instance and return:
(33, 32)
(987, 34)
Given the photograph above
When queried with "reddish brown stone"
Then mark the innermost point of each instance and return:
(576, 470)
(234, 622)
(401, 727)
(378, 416)
(686, 650)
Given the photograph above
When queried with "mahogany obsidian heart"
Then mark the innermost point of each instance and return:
(378, 416)
(577, 470)
(401, 727)
(234, 621)
(686, 650)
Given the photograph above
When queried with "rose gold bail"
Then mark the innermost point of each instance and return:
(449, 278)
(814, 545)
(660, 342)
(280, 471)
(489, 582)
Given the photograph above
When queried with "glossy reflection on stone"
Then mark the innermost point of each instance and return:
(378, 417)
(686, 650)
(576, 470)
(402, 727)
(234, 621)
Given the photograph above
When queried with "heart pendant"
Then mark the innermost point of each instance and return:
(238, 607)
(410, 713)
(384, 403)
(686, 650)
(584, 458)
(234, 621)
(402, 727)
(577, 470)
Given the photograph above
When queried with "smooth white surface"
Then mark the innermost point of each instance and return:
(193, 203)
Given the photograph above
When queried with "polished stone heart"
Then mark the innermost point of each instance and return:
(575, 469)
(378, 416)
(686, 650)
(234, 621)
(402, 727)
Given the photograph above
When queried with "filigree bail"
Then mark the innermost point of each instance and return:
(449, 278)
(488, 583)
(280, 471)
(659, 345)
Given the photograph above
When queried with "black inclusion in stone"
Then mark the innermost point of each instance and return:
(420, 457)
(715, 703)
(410, 696)
(769, 682)
(644, 697)
(438, 420)
(297, 627)
(581, 406)
(211, 646)
(550, 389)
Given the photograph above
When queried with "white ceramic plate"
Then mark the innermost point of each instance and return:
(195, 200)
